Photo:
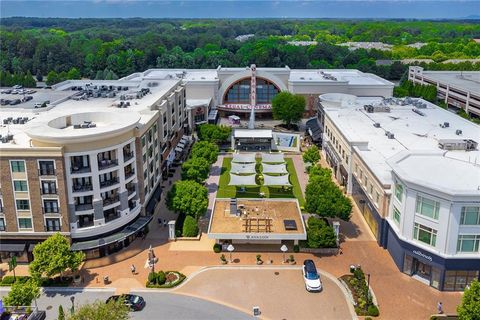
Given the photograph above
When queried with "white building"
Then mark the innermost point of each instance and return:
(414, 170)
(460, 89)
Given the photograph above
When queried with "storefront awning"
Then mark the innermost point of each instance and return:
(139, 224)
(12, 247)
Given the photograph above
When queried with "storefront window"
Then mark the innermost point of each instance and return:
(407, 265)
(435, 281)
(456, 280)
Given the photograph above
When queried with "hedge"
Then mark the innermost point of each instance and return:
(190, 227)
(7, 281)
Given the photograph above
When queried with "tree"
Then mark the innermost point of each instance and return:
(39, 76)
(206, 150)
(61, 313)
(52, 78)
(99, 310)
(288, 107)
(320, 234)
(214, 133)
(312, 155)
(196, 169)
(469, 308)
(22, 294)
(188, 197)
(53, 256)
(190, 227)
(73, 73)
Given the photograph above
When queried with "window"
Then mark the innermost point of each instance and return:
(425, 234)
(468, 242)
(371, 189)
(365, 182)
(18, 166)
(25, 223)
(457, 280)
(23, 204)
(427, 207)
(20, 185)
(377, 197)
(399, 192)
(2, 224)
(470, 216)
(52, 224)
(50, 206)
(49, 187)
(396, 215)
(47, 168)
(143, 141)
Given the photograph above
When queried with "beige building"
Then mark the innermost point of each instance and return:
(89, 163)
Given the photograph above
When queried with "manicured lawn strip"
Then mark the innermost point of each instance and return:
(226, 191)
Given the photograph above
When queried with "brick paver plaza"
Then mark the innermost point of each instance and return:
(398, 295)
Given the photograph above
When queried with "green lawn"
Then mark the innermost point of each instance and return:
(226, 191)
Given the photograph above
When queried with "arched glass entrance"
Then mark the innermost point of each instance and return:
(239, 92)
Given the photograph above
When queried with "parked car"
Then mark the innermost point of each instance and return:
(311, 276)
(134, 302)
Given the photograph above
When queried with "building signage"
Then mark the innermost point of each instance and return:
(255, 237)
(245, 106)
(423, 255)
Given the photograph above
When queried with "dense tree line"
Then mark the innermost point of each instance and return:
(112, 48)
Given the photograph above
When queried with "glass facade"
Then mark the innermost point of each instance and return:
(427, 207)
(240, 92)
(457, 280)
(470, 216)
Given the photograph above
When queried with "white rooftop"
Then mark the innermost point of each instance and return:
(57, 121)
(466, 80)
(412, 132)
(252, 133)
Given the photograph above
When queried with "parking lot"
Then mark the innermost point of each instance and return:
(279, 292)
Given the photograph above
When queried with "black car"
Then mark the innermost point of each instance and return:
(134, 302)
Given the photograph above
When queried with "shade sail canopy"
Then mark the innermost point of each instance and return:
(236, 180)
(273, 157)
(276, 180)
(243, 168)
(274, 168)
(243, 157)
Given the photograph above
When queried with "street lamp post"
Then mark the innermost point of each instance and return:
(230, 249)
(368, 289)
(284, 249)
(72, 310)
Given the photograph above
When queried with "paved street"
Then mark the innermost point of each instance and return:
(159, 305)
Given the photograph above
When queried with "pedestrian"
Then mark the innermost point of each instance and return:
(440, 307)
(164, 222)
(132, 268)
(160, 221)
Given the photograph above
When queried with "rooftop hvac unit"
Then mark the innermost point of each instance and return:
(457, 144)
(390, 135)
(458, 132)
(418, 112)
(376, 125)
(368, 108)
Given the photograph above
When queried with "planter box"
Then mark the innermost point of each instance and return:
(189, 238)
(325, 251)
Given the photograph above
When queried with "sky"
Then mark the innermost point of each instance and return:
(408, 9)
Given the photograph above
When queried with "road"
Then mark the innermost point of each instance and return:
(159, 305)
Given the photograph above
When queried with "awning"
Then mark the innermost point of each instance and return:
(236, 180)
(243, 157)
(274, 168)
(273, 158)
(242, 168)
(276, 180)
(12, 247)
(118, 236)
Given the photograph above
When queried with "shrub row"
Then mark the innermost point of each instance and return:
(7, 281)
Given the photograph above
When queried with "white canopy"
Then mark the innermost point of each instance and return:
(274, 168)
(243, 157)
(276, 180)
(234, 117)
(273, 157)
(243, 168)
(236, 180)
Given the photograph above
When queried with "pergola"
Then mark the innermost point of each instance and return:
(274, 168)
(280, 181)
(243, 168)
(273, 158)
(243, 157)
(236, 180)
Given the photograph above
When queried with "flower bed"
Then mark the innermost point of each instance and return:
(165, 280)
(357, 285)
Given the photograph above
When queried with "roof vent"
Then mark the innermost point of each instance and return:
(390, 135)
(458, 132)
(457, 144)
(418, 112)
(376, 125)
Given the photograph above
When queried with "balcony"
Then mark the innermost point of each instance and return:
(46, 172)
(84, 207)
(82, 187)
(108, 183)
(127, 156)
(104, 164)
(129, 174)
(111, 200)
(79, 169)
(111, 214)
(85, 223)
(131, 190)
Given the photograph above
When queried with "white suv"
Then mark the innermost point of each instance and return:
(311, 276)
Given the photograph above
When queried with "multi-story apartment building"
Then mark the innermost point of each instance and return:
(87, 164)
(413, 169)
(460, 89)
